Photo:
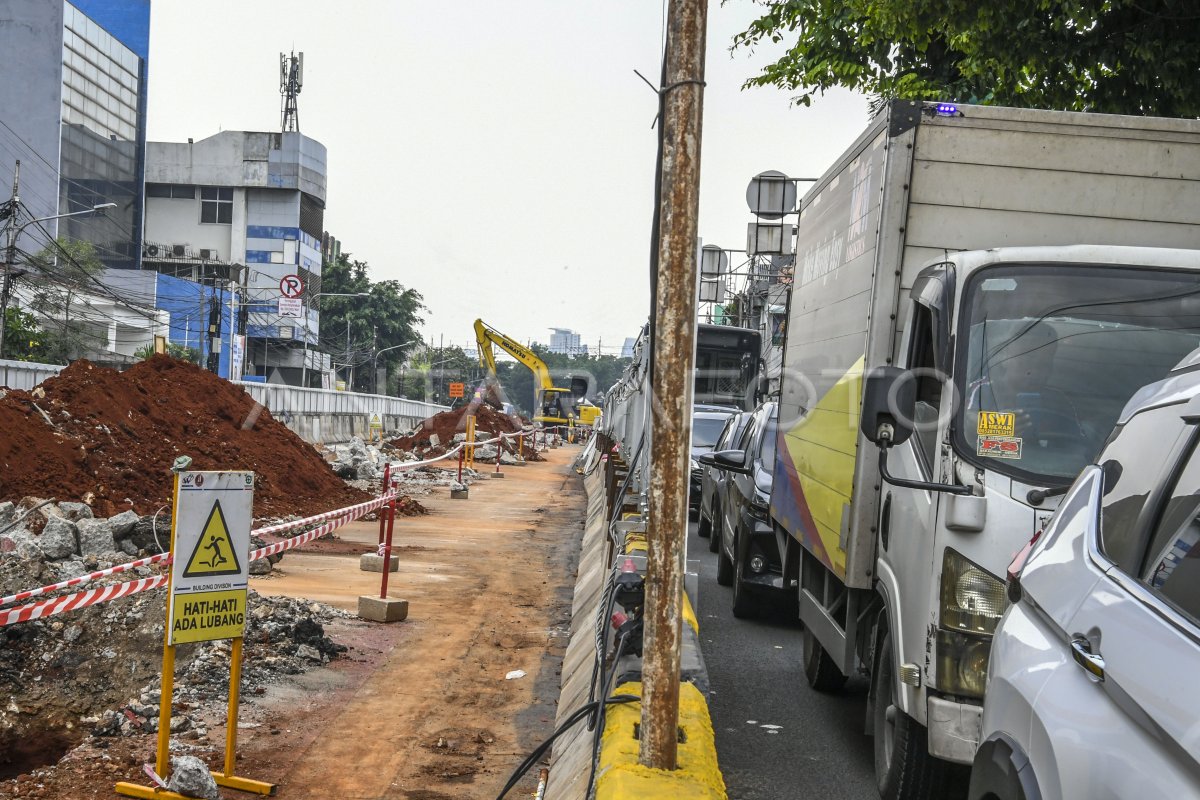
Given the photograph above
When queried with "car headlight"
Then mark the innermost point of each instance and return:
(758, 506)
(972, 599)
(694, 464)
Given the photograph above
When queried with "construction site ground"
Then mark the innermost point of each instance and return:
(420, 709)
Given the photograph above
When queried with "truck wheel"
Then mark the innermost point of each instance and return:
(724, 565)
(904, 770)
(744, 604)
(822, 673)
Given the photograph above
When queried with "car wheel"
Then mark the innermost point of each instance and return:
(704, 526)
(714, 530)
(820, 670)
(904, 770)
(724, 564)
(744, 604)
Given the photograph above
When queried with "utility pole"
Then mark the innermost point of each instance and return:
(680, 106)
(10, 252)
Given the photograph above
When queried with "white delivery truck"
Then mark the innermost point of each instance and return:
(977, 293)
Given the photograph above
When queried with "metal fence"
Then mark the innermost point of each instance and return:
(296, 400)
(25, 374)
(281, 400)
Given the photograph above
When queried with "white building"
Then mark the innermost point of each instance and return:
(238, 212)
(565, 340)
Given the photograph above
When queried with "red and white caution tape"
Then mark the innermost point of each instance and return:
(412, 464)
(78, 600)
(82, 579)
(317, 533)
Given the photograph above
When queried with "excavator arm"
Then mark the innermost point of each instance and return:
(486, 336)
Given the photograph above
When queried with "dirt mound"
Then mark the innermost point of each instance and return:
(446, 424)
(109, 438)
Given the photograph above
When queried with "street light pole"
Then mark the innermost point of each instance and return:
(375, 363)
(10, 251)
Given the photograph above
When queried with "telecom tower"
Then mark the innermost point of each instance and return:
(291, 80)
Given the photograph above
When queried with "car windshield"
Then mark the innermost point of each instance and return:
(706, 429)
(1052, 355)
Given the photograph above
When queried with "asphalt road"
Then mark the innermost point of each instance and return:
(818, 749)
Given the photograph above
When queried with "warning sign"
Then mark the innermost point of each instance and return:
(997, 423)
(375, 422)
(210, 571)
(214, 554)
(456, 389)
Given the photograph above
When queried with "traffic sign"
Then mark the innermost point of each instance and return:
(456, 389)
(291, 307)
(211, 571)
(291, 286)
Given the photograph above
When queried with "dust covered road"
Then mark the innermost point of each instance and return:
(423, 711)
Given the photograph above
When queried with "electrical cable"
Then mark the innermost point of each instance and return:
(576, 716)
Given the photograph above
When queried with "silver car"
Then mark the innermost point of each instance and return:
(1093, 680)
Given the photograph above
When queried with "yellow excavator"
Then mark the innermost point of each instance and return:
(555, 405)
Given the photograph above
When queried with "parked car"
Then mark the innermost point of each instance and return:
(713, 478)
(747, 551)
(1092, 680)
(707, 424)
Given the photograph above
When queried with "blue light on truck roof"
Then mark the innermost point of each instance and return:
(947, 109)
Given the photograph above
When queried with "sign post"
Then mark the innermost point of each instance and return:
(211, 518)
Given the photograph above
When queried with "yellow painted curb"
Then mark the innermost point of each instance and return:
(689, 615)
(620, 777)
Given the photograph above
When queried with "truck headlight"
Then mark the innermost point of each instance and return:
(962, 662)
(972, 599)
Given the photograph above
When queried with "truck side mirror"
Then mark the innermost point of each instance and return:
(889, 406)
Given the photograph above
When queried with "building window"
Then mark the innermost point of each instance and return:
(172, 190)
(216, 205)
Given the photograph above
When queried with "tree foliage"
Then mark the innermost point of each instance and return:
(1111, 56)
(24, 339)
(357, 329)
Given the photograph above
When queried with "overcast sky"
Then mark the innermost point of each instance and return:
(497, 157)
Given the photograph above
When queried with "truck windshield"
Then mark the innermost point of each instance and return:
(1049, 355)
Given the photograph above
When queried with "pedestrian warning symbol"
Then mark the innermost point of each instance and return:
(214, 554)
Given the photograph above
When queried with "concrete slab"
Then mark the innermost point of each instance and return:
(379, 609)
(369, 562)
(459, 494)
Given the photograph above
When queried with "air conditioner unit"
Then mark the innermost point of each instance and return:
(207, 254)
(151, 251)
(178, 250)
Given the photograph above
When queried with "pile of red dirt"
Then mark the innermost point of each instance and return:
(109, 438)
(446, 424)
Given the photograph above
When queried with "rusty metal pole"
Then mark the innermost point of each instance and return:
(674, 343)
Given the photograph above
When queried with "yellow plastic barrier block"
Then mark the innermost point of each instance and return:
(621, 777)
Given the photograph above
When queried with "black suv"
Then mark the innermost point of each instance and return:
(747, 551)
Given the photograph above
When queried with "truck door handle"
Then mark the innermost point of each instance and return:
(1092, 663)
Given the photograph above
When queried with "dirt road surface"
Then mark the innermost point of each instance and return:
(422, 710)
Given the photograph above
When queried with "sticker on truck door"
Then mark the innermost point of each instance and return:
(997, 423)
(999, 446)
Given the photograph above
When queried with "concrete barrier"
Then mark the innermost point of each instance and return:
(618, 775)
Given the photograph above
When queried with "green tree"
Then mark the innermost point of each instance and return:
(24, 339)
(354, 330)
(1112, 56)
(57, 275)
